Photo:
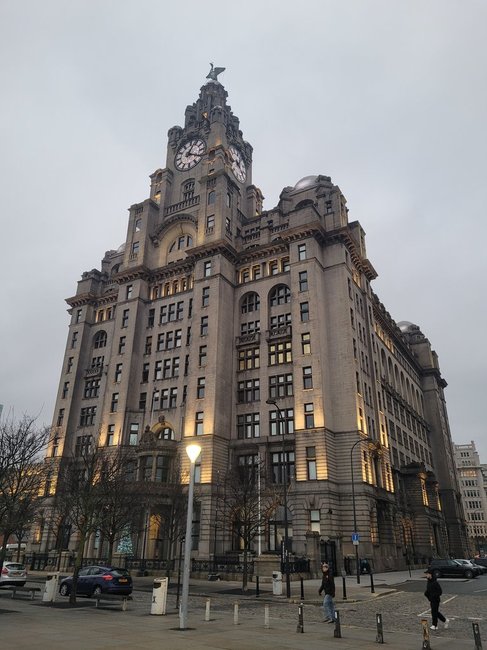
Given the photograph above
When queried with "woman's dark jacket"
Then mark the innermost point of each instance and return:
(433, 589)
(327, 585)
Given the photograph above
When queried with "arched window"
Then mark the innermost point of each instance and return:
(100, 339)
(280, 295)
(188, 190)
(250, 302)
(183, 241)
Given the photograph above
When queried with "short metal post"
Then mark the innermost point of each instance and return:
(207, 610)
(426, 635)
(257, 587)
(338, 630)
(380, 630)
(300, 626)
(372, 590)
(344, 584)
(302, 587)
(266, 616)
(235, 614)
(476, 636)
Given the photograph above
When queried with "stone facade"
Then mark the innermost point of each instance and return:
(211, 307)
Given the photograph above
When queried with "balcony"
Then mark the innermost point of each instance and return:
(182, 205)
(245, 339)
(94, 371)
(281, 332)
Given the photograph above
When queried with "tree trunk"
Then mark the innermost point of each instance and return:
(77, 566)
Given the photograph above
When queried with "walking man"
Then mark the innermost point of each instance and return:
(433, 594)
(327, 586)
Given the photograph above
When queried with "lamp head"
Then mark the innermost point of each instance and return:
(271, 401)
(193, 452)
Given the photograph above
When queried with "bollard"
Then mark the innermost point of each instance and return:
(302, 587)
(257, 587)
(372, 590)
(426, 635)
(207, 610)
(266, 616)
(235, 614)
(300, 626)
(159, 596)
(338, 630)
(476, 636)
(380, 630)
(344, 584)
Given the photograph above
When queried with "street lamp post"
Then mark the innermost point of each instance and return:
(286, 522)
(193, 452)
(355, 509)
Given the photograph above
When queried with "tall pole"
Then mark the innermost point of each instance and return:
(193, 452)
(284, 494)
(355, 509)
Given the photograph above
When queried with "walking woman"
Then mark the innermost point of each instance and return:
(433, 593)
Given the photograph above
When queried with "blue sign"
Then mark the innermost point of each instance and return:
(355, 538)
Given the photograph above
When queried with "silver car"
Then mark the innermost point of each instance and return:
(13, 574)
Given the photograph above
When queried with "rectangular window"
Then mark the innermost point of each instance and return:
(87, 416)
(65, 392)
(60, 417)
(207, 269)
(280, 353)
(306, 343)
(278, 466)
(121, 344)
(250, 327)
(301, 252)
(114, 403)
(309, 416)
(304, 311)
(210, 223)
(133, 433)
(277, 424)
(205, 296)
(173, 397)
(314, 521)
(307, 377)
(248, 391)
(118, 373)
(142, 401)
(79, 313)
(303, 280)
(145, 373)
(248, 425)
(158, 370)
(92, 388)
(110, 435)
(249, 358)
(311, 464)
(148, 345)
(280, 385)
(125, 317)
(151, 318)
(162, 469)
(160, 342)
(128, 291)
(285, 266)
(83, 444)
(198, 423)
(74, 340)
(135, 247)
(69, 367)
(273, 268)
(202, 356)
(204, 326)
(200, 389)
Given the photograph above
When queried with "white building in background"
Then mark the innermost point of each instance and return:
(473, 483)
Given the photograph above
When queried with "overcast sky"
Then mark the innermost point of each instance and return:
(388, 98)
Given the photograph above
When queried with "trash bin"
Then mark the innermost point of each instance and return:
(159, 596)
(50, 588)
(277, 583)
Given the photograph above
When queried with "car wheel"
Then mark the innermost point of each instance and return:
(436, 574)
(64, 590)
(97, 591)
(469, 574)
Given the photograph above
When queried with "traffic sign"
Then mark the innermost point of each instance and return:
(355, 539)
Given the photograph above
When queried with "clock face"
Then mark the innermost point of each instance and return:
(237, 164)
(190, 154)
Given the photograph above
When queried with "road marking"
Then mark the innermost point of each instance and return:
(427, 611)
(479, 591)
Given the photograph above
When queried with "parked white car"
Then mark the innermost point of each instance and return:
(13, 574)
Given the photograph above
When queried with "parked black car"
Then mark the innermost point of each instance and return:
(94, 580)
(480, 561)
(451, 569)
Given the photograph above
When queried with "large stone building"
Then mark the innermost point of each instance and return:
(473, 485)
(213, 306)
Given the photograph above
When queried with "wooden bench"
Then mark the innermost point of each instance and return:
(22, 590)
(112, 598)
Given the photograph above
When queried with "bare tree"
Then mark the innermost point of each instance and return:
(246, 504)
(22, 475)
